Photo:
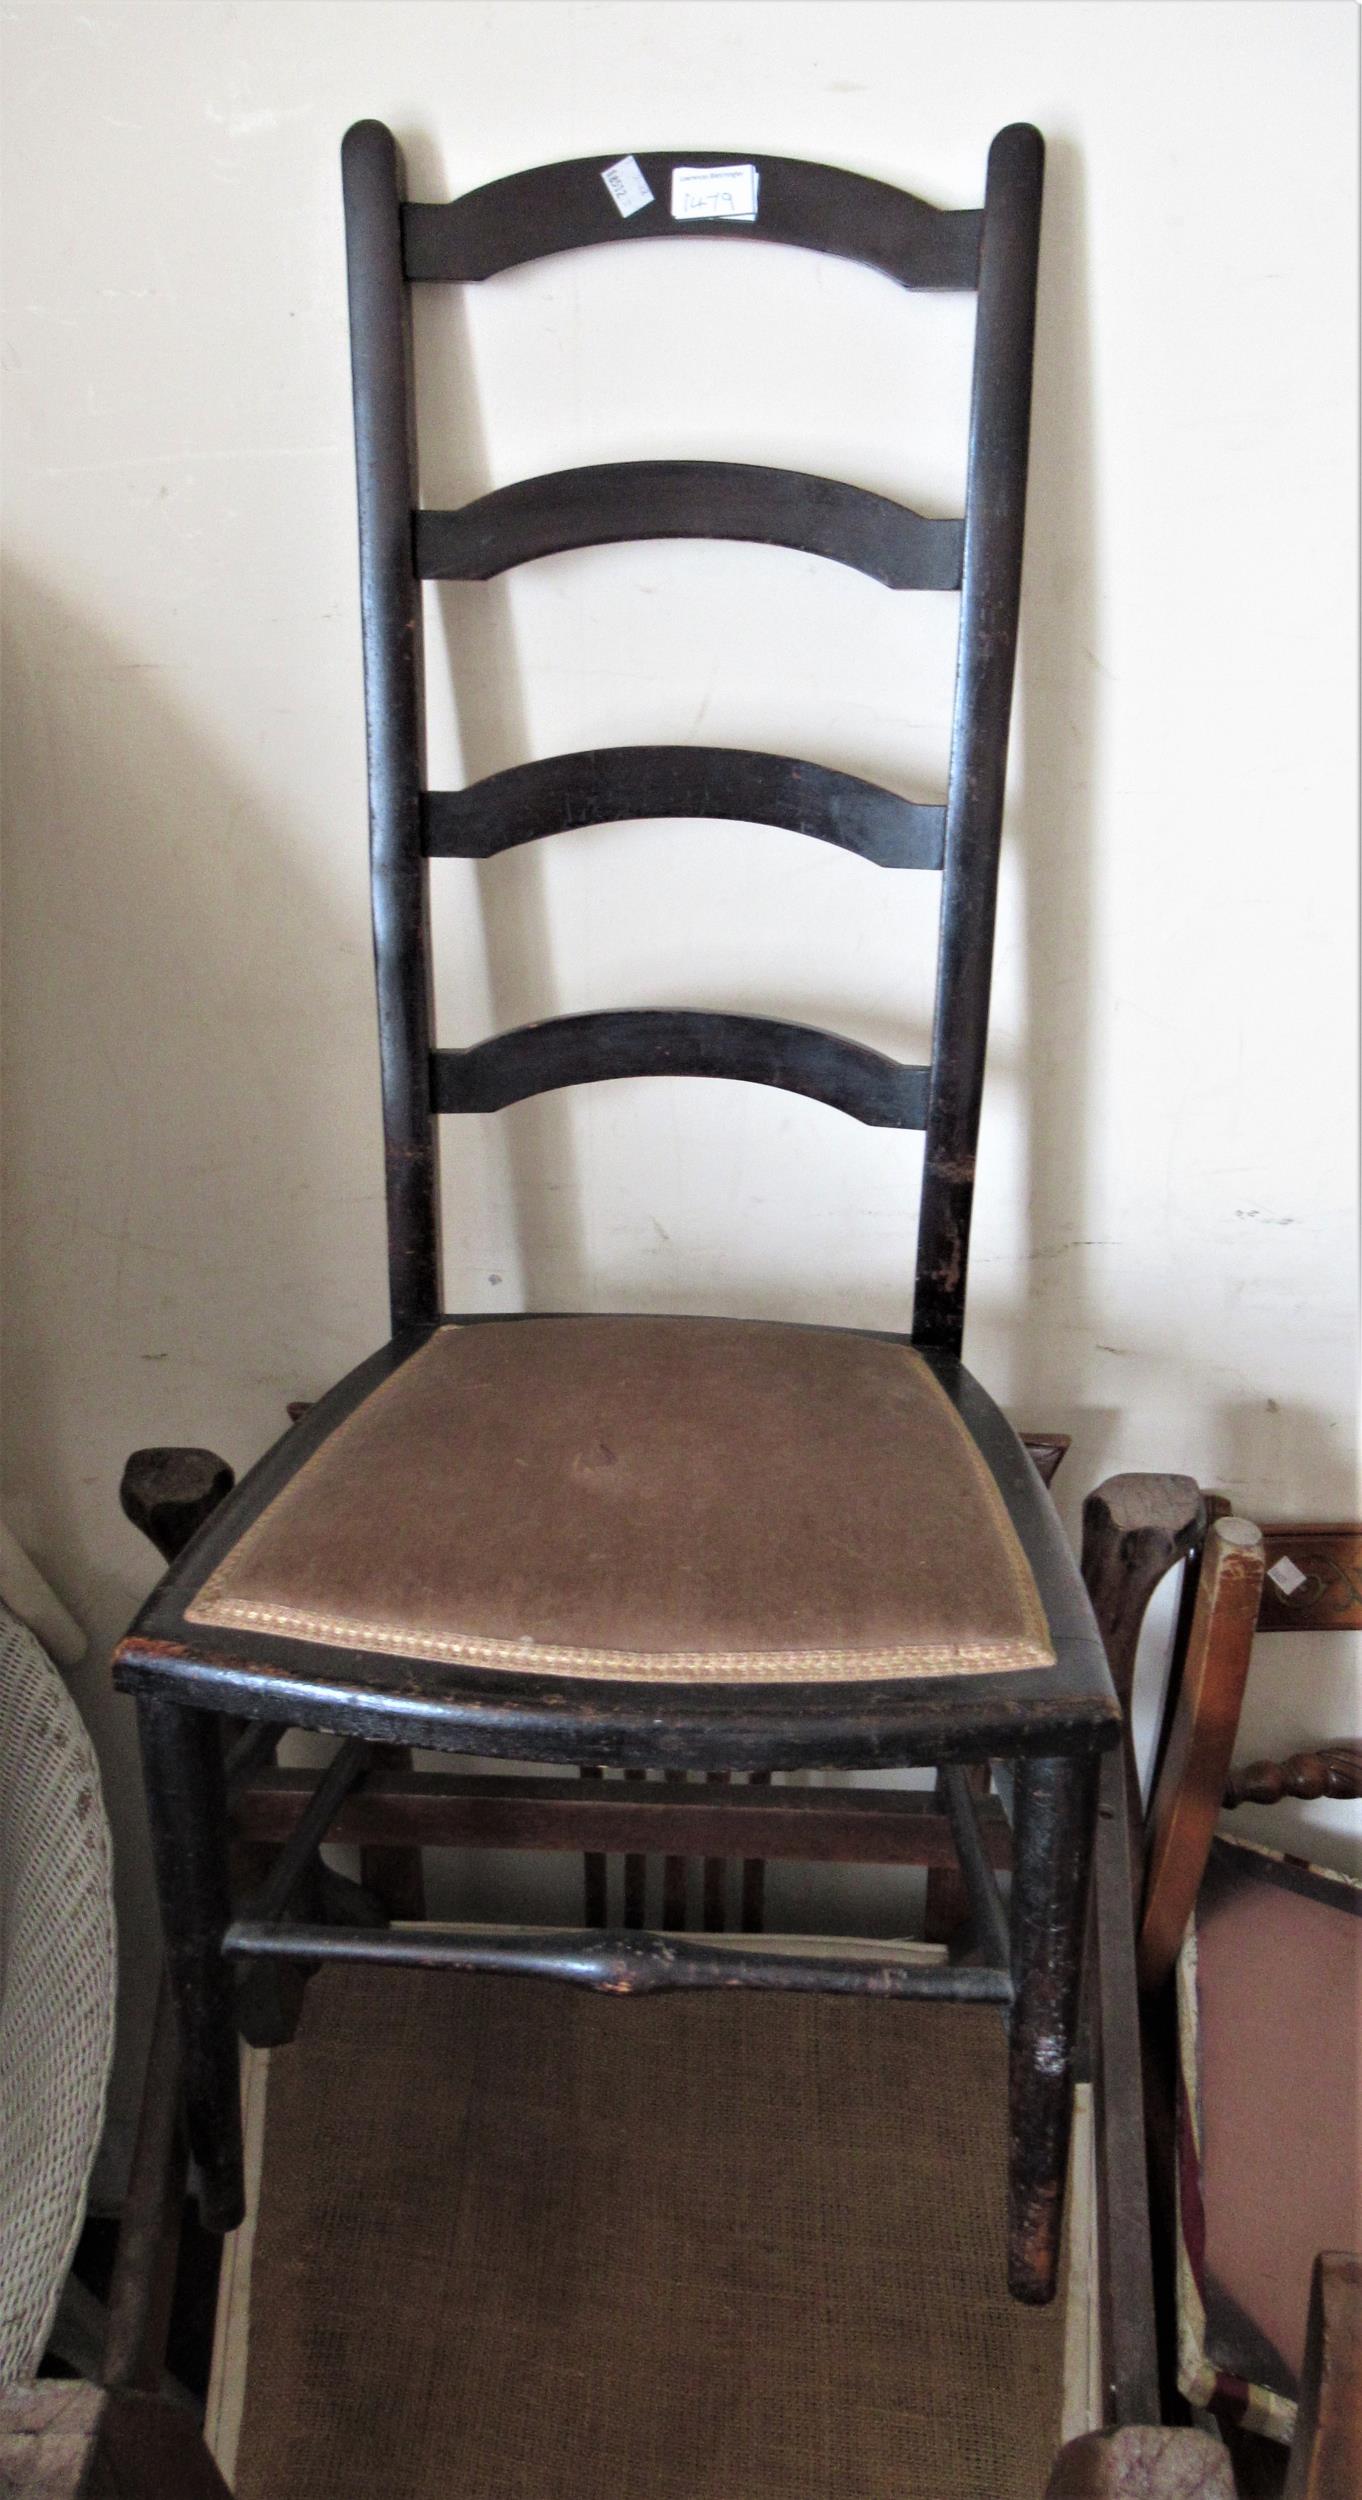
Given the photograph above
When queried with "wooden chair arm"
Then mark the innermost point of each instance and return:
(1331, 1771)
(1196, 1761)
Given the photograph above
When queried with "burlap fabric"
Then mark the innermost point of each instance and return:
(517, 2243)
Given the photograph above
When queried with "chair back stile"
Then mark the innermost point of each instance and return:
(559, 207)
(390, 613)
(995, 504)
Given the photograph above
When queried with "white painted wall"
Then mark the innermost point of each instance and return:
(1164, 1245)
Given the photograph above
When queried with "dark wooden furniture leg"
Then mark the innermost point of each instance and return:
(187, 1802)
(1326, 2453)
(947, 1905)
(1056, 1807)
(395, 1877)
(142, 2290)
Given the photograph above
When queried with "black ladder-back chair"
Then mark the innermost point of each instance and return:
(291, 1607)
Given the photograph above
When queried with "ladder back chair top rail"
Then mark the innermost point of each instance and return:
(566, 207)
(393, 244)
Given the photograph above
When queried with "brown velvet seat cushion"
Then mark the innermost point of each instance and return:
(648, 1499)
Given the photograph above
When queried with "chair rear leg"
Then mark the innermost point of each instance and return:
(187, 1807)
(1055, 1815)
(396, 1877)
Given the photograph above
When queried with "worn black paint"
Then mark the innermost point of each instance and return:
(639, 499)
(186, 1802)
(611, 785)
(562, 208)
(390, 609)
(995, 500)
(1055, 1813)
(676, 1041)
(627, 1962)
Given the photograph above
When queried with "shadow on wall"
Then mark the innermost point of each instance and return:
(192, 1194)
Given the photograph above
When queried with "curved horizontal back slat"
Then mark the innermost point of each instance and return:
(613, 785)
(636, 499)
(821, 208)
(675, 1041)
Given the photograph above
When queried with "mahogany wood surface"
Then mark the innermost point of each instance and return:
(1328, 1771)
(1327, 1597)
(1192, 1777)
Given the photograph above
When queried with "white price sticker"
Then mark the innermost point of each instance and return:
(1287, 1576)
(627, 185)
(715, 191)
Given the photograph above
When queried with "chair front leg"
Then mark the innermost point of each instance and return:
(187, 1807)
(1054, 1822)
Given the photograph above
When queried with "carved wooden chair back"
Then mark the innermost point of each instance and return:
(393, 246)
